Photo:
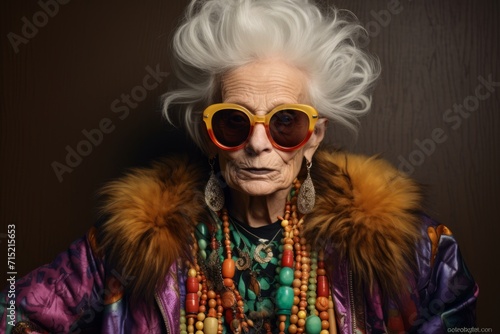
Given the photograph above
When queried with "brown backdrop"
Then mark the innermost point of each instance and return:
(77, 66)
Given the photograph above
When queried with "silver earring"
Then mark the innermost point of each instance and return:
(214, 195)
(307, 194)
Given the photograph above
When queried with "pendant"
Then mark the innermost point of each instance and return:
(213, 271)
(244, 261)
(228, 299)
(263, 248)
(254, 284)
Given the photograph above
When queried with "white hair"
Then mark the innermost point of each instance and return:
(220, 35)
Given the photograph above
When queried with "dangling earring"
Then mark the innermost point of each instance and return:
(214, 195)
(307, 194)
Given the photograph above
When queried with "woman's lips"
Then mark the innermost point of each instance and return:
(258, 171)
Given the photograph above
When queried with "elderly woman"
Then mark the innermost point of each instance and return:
(266, 234)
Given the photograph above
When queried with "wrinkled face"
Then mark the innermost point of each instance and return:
(259, 168)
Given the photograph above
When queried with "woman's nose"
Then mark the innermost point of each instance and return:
(258, 141)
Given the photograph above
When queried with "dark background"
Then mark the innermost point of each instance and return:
(64, 78)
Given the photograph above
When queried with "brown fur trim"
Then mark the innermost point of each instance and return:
(366, 210)
(150, 215)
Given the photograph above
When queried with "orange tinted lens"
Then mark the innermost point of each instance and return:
(231, 127)
(289, 127)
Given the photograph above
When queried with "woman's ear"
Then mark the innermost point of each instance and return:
(316, 138)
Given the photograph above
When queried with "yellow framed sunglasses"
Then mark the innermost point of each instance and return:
(288, 126)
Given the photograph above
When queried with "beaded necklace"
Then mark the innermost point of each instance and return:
(213, 302)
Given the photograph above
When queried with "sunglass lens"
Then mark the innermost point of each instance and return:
(289, 127)
(230, 127)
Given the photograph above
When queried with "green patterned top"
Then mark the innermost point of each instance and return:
(257, 280)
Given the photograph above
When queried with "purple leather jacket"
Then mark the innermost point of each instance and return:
(80, 293)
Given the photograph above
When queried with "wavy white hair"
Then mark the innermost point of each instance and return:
(219, 35)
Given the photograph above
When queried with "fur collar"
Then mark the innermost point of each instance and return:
(365, 211)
